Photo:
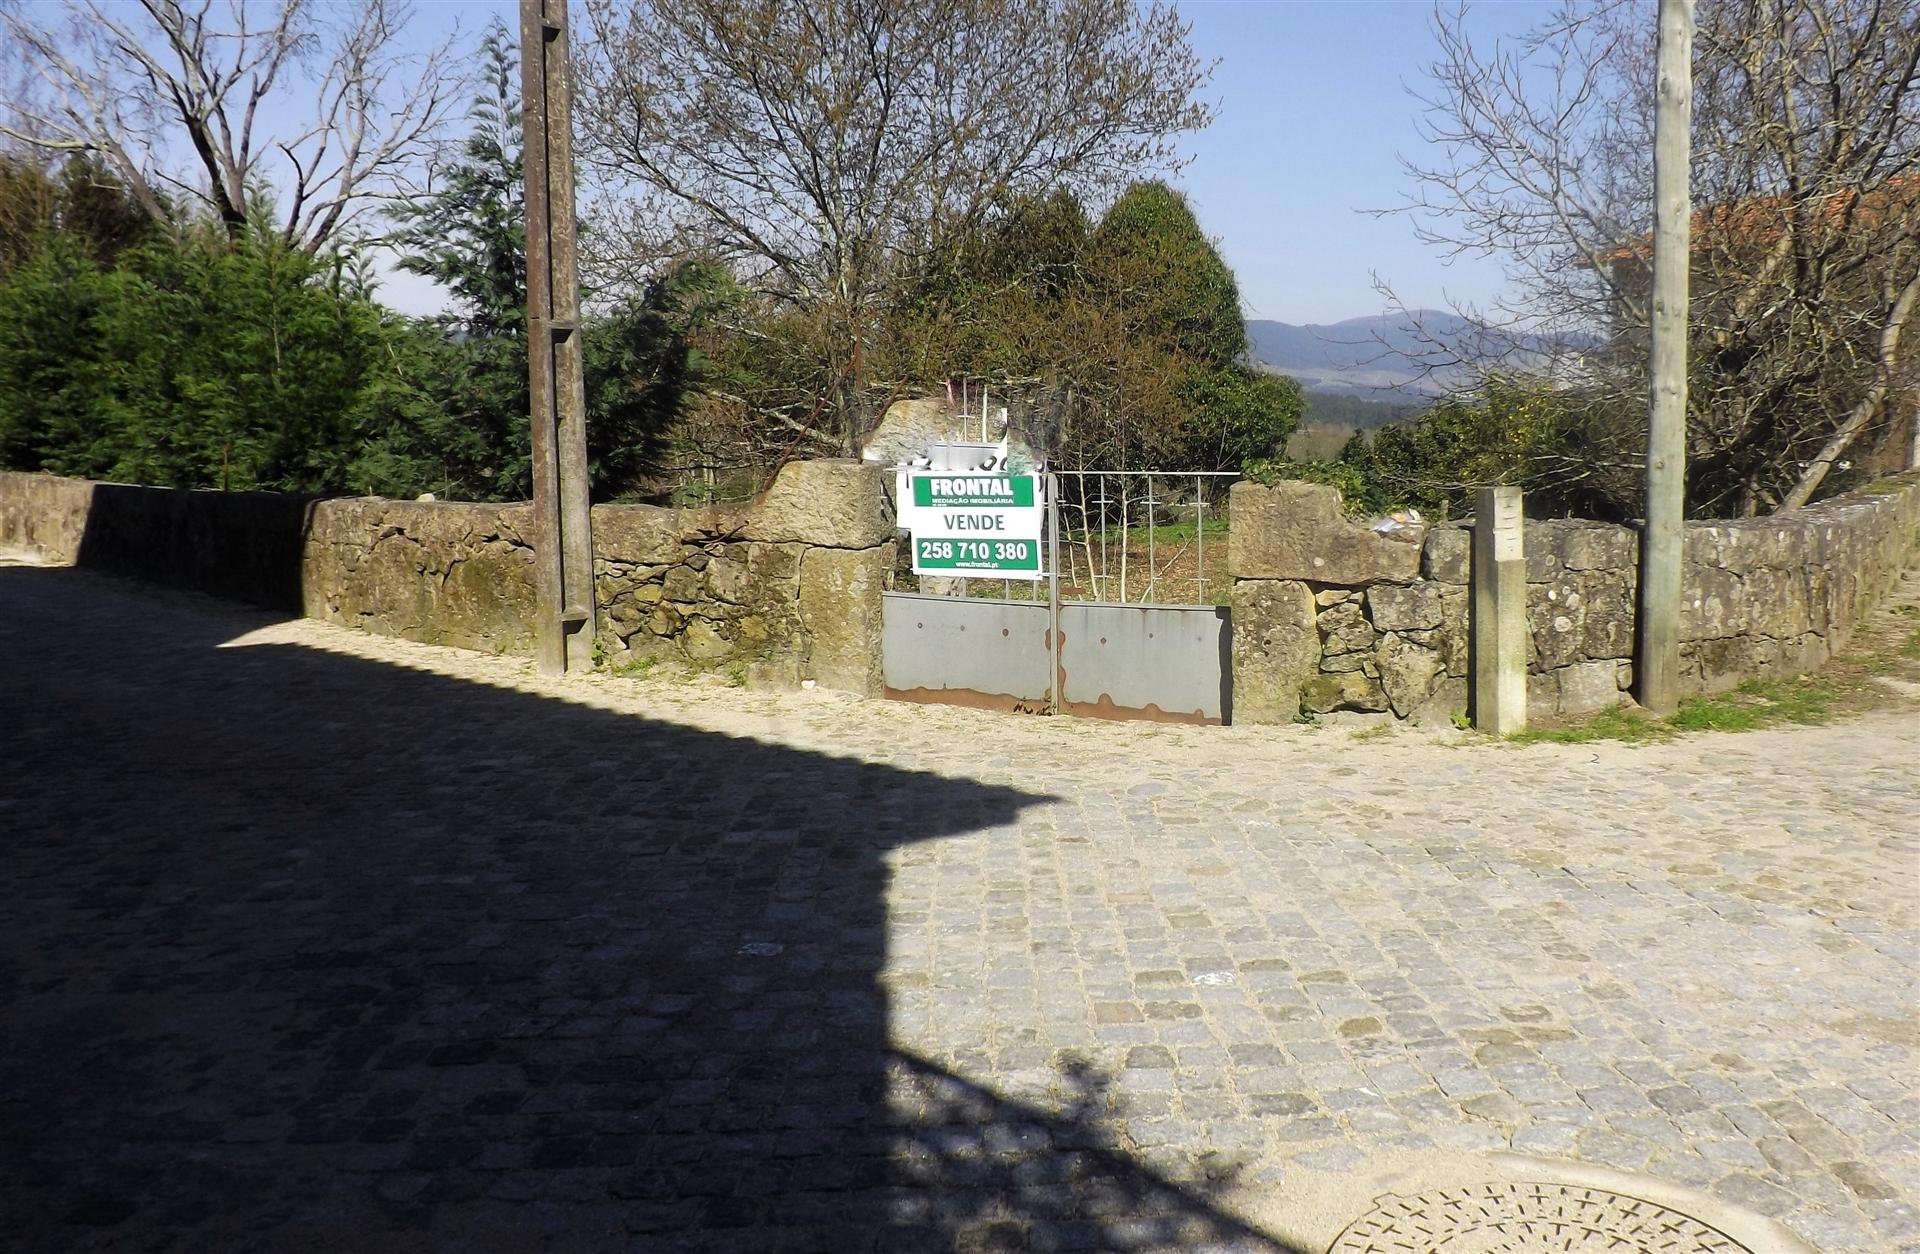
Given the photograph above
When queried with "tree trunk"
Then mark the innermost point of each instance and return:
(853, 399)
(1870, 405)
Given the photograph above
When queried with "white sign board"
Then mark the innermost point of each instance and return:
(972, 523)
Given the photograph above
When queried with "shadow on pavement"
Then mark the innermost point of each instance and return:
(309, 952)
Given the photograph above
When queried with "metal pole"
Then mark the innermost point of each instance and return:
(1152, 571)
(1053, 594)
(1200, 538)
(562, 509)
(1663, 541)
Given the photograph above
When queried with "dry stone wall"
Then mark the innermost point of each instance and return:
(783, 588)
(1329, 615)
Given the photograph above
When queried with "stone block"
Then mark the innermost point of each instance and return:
(1588, 686)
(1443, 705)
(1405, 607)
(1351, 690)
(1501, 639)
(1345, 629)
(1297, 531)
(682, 584)
(728, 580)
(834, 504)
(839, 608)
(641, 534)
(774, 562)
(44, 514)
(1408, 672)
(1556, 614)
(1543, 697)
(1454, 637)
(1276, 648)
(1447, 556)
(706, 640)
(1597, 546)
(1607, 625)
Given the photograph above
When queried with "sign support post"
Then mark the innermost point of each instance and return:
(1053, 593)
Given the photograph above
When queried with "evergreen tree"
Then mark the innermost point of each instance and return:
(201, 362)
(1185, 394)
(453, 417)
(1137, 318)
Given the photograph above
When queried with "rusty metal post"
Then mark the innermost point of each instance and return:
(562, 521)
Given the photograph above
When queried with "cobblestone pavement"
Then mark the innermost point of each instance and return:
(316, 941)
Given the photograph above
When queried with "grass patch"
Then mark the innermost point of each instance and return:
(1758, 703)
(1755, 704)
(1911, 649)
(1616, 723)
(1378, 732)
(1178, 532)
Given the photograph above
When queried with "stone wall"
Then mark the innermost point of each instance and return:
(783, 588)
(1329, 615)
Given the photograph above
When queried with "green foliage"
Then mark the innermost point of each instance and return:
(450, 414)
(201, 364)
(1136, 315)
(80, 199)
(1163, 272)
(469, 235)
(1356, 412)
(432, 418)
(1515, 430)
(1358, 494)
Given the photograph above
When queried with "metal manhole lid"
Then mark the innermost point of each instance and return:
(1527, 1217)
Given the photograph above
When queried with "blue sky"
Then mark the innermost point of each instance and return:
(1313, 116)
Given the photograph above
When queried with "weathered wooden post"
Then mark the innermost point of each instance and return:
(1662, 542)
(562, 520)
(1499, 612)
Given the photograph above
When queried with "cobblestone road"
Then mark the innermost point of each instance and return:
(315, 941)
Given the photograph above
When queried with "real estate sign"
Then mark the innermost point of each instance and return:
(971, 523)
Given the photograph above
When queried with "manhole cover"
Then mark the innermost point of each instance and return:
(1529, 1219)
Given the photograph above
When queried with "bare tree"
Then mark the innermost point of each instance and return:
(175, 98)
(815, 144)
(1806, 240)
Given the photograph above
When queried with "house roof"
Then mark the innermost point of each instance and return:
(1758, 219)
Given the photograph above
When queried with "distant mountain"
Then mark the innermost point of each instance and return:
(1378, 358)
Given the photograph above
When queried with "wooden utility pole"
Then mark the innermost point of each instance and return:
(562, 523)
(1662, 544)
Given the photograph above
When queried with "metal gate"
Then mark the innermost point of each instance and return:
(1115, 658)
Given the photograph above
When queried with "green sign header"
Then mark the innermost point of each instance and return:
(940, 491)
